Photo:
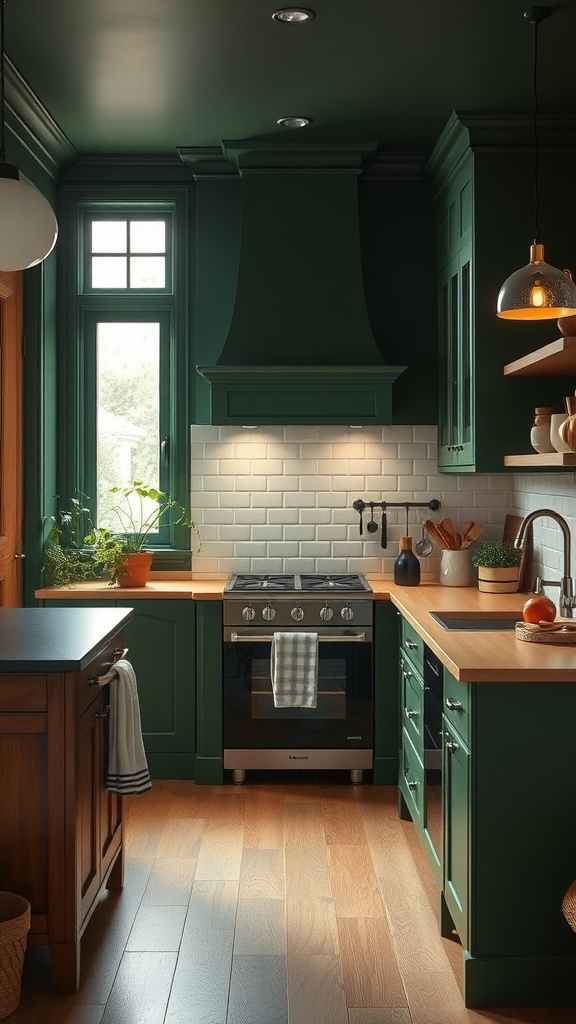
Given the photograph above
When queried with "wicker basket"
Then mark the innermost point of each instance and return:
(14, 926)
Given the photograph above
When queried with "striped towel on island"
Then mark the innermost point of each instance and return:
(294, 669)
(127, 770)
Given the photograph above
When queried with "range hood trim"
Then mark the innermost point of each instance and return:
(308, 395)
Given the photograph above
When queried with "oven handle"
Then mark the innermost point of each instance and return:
(354, 638)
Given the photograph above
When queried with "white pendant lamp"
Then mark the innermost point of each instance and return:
(537, 291)
(28, 227)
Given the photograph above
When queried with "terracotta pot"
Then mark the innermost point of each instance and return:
(136, 569)
(498, 581)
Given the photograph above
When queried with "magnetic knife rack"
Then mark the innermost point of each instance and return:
(360, 506)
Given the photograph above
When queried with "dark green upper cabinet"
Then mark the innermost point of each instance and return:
(483, 172)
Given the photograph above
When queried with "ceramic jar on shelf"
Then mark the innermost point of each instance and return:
(540, 433)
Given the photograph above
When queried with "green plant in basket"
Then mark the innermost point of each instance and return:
(496, 555)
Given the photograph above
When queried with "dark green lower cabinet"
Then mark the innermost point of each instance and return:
(162, 648)
(456, 779)
(506, 852)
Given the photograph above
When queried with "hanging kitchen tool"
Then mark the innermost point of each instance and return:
(372, 525)
(384, 527)
(424, 545)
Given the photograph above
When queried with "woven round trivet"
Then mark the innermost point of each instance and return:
(533, 633)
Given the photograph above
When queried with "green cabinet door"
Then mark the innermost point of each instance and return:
(484, 200)
(455, 441)
(161, 641)
(456, 775)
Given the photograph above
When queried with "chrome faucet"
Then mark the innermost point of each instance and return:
(566, 584)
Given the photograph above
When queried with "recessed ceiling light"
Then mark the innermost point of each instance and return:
(293, 15)
(293, 122)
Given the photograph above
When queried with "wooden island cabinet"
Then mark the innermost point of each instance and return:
(61, 837)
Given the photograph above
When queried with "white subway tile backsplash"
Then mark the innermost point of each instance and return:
(279, 499)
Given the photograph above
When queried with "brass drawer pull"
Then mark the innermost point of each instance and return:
(453, 705)
(412, 785)
(410, 645)
(410, 713)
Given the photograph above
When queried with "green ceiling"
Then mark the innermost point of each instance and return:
(148, 76)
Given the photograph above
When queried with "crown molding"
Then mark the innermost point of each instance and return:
(30, 123)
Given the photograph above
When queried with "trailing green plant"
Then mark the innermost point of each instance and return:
(496, 555)
(64, 557)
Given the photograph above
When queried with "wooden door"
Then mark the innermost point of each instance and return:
(10, 439)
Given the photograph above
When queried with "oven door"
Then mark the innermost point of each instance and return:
(343, 716)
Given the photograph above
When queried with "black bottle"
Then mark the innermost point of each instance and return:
(406, 566)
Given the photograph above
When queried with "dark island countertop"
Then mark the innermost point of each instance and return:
(56, 639)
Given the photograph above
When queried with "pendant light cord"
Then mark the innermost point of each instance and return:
(2, 144)
(535, 128)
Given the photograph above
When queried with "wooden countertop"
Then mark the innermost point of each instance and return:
(490, 656)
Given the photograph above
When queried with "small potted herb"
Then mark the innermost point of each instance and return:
(498, 566)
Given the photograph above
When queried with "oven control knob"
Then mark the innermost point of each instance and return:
(297, 613)
(248, 613)
(269, 613)
(326, 613)
(347, 613)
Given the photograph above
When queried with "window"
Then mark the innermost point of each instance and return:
(129, 358)
(127, 254)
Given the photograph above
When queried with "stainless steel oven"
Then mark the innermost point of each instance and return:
(338, 732)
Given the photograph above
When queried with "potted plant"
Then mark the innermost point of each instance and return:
(498, 566)
(118, 550)
(134, 514)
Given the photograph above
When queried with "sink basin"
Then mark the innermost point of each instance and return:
(477, 621)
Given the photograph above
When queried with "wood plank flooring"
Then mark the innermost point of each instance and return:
(282, 901)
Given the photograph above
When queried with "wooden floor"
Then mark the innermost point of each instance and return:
(289, 900)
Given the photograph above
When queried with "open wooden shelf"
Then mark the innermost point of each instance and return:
(553, 460)
(557, 358)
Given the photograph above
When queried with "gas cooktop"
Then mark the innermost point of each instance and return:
(288, 582)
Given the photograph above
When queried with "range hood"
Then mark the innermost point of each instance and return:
(300, 347)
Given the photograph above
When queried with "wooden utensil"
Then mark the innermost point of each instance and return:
(471, 533)
(551, 626)
(437, 535)
(447, 526)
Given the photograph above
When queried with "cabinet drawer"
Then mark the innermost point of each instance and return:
(412, 644)
(456, 705)
(88, 689)
(412, 702)
(412, 779)
(23, 693)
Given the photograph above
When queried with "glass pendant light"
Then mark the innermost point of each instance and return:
(537, 291)
(28, 227)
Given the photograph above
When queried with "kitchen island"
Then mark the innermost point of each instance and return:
(61, 837)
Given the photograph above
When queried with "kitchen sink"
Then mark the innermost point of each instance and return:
(477, 621)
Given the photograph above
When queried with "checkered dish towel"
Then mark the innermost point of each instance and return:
(294, 669)
(127, 770)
